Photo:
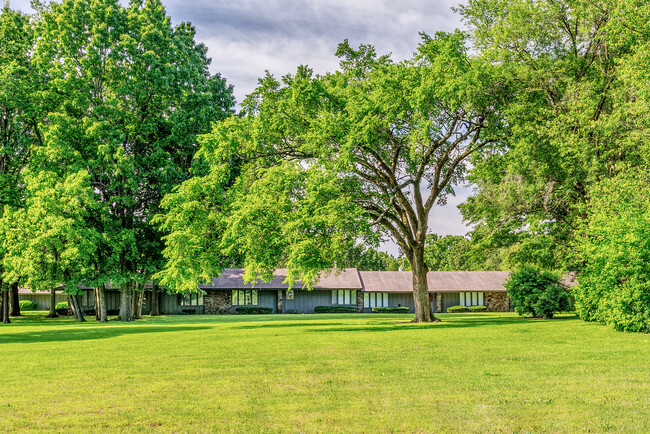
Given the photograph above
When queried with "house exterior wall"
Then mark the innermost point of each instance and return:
(264, 299)
(450, 299)
(216, 302)
(42, 300)
(497, 302)
(396, 299)
(305, 301)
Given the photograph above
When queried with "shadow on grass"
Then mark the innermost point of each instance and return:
(85, 333)
(299, 323)
(446, 323)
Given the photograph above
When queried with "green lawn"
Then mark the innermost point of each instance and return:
(472, 372)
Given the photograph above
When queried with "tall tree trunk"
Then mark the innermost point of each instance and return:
(137, 302)
(101, 304)
(5, 307)
(155, 302)
(126, 301)
(423, 311)
(75, 299)
(14, 301)
(52, 313)
(97, 313)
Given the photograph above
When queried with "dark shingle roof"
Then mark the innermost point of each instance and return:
(232, 278)
(439, 281)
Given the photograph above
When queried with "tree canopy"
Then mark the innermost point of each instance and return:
(321, 162)
(126, 95)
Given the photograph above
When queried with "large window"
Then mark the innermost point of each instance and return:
(194, 299)
(244, 297)
(375, 299)
(344, 296)
(471, 299)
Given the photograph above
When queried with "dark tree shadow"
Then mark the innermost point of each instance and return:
(86, 333)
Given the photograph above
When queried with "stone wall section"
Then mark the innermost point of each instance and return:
(359, 301)
(438, 302)
(217, 302)
(497, 302)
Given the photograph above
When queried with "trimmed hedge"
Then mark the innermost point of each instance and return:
(477, 308)
(402, 309)
(253, 310)
(27, 305)
(457, 309)
(335, 309)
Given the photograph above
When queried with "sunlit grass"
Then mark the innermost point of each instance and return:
(472, 372)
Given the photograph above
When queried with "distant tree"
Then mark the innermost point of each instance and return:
(128, 95)
(368, 259)
(537, 292)
(328, 160)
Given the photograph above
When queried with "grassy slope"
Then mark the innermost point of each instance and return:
(473, 372)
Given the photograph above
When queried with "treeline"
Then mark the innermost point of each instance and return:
(568, 189)
(100, 109)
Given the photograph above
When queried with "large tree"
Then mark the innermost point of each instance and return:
(326, 161)
(128, 93)
(18, 128)
(569, 119)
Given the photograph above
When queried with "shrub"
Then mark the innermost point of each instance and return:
(335, 309)
(537, 292)
(402, 309)
(27, 305)
(253, 310)
(61, 308)
(189, 311)
(477, 308)
(457, 309)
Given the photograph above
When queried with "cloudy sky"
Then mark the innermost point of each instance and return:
(247, 37)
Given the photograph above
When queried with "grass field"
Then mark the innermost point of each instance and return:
(472, 372)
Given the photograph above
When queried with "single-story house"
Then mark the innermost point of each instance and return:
(362, 290)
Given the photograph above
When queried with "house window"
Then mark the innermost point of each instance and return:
(375, 299)
(344, 296)
(194, 299)
(471, 298)
(244, 297)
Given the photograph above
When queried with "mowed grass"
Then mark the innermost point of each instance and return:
(372, 373)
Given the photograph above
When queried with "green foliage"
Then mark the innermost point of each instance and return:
(477, 308)
(253, 310)
(369, 259)
(537, 292)
(335, 309)
(578, 71)
(327, 162)
(385, 309)
(18, 109)
(614, 286)
(122, 96)
(457, 309)
(459, 253)
(27, 305)
(62, 305)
